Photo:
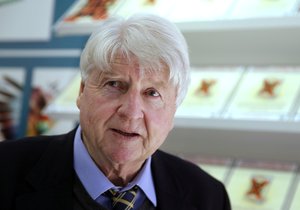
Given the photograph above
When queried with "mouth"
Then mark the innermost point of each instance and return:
(126, 134)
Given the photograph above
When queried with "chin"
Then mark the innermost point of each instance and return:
(124, 157)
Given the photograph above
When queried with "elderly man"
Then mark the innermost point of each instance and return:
(135, 73)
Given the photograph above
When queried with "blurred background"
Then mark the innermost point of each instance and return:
(241, 118)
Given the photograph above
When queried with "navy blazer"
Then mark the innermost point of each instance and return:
(37, 174)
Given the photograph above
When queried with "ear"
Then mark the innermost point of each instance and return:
(81, 88)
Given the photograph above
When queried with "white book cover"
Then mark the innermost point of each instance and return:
(260, 185)
(209, 90)
(265, 93)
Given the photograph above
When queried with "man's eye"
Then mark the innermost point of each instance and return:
(117, 85)
(153, 93)
(113, 83)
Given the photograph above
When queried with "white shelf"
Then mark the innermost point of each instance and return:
(255, 23)
(281, 126)
(256, 41)
(237, 139)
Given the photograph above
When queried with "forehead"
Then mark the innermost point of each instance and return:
(123, 66)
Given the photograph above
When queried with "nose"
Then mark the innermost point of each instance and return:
(131, 106)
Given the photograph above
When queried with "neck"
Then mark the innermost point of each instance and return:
(121, 175)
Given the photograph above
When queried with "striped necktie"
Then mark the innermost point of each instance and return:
(123, 200)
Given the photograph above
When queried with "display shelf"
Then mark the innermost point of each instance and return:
(221, 40)
(249, 40)
(239, 124)
(235, 142)
(191, 15)
(261, 41)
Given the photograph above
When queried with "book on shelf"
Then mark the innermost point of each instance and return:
(209, 91)
(260, 185)
(265, 93)
(83, 16)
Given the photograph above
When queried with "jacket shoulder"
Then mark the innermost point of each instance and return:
(21, 154)
(195, 185)
(33, 163)
(184, 169)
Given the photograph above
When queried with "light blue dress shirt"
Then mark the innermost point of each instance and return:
(96, 183)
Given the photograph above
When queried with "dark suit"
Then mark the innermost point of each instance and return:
(37, 174)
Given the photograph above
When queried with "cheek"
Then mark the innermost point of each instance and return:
(160, 126)
(94, 109)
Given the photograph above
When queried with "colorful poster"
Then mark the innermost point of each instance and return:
(47, 84)
(209, 91)
(263, 8)
(11, 97)
(260, 185)
(217, 167)
(265, 93)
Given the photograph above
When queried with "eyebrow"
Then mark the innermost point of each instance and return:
(118, 74)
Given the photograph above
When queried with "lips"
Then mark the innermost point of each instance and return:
(127, 134)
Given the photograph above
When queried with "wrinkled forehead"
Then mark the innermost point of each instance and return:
(138, 65)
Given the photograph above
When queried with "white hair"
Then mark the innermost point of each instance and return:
(154, 41)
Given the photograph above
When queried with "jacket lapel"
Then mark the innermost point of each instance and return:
(50, 182)
(169, 192)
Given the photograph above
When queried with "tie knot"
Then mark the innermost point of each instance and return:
(123, 200)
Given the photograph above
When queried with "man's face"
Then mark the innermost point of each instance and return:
(125, 115)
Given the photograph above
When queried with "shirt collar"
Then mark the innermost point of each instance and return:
(96, 183)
